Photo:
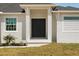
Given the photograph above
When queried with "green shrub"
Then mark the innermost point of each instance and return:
(9, 39)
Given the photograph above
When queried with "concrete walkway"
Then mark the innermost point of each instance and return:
(28, 45)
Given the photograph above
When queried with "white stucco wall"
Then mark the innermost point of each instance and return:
(65, 36)
(19, 34)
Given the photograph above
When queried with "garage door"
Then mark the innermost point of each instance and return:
(71, 24)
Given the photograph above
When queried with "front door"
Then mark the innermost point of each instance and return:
(38, 29)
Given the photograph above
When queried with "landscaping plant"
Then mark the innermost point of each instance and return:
(9, 39)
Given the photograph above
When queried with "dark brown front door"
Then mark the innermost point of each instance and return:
(38, 29)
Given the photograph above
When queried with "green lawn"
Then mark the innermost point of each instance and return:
(48, 50)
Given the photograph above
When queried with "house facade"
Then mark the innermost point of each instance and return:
(39, 23)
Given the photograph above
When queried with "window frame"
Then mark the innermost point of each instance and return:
(16, 24)
(64, 21)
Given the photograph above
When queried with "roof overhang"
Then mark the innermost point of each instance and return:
(37, 6)
(11, 13)
(66, 11)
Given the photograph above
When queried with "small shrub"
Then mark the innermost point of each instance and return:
(9, 39)
(18, 44)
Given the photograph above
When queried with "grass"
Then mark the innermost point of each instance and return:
(48, 50)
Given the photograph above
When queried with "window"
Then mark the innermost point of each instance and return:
(11, 24)
(71, 24)
(71, 18)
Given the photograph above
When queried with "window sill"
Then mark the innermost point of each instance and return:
(11, 31)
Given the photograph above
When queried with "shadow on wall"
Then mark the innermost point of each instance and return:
(54, 28)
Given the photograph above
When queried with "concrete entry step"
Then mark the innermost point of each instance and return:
(35, 45)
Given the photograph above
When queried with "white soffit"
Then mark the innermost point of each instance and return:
(38, 5)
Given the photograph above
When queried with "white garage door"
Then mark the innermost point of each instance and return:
(71, 24)
(68, 29)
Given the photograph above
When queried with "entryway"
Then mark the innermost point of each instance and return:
(38, 28)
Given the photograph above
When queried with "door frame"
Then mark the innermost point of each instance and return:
(45, 29)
